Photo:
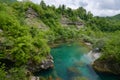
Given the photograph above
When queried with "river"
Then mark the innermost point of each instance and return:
(73, 62)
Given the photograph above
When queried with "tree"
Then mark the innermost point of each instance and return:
(7, 1)
(43, 5)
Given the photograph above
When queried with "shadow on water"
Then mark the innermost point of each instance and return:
(44, 73)
(107, 76)
(72, 63)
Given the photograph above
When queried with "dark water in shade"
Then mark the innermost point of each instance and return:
(73, 63)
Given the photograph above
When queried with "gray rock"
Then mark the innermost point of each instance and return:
(107, 66)
(30, 13)
(44, 65)
(34, 78)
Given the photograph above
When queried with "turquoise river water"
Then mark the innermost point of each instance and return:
(73, 63)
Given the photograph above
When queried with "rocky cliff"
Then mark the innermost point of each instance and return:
(107, 66)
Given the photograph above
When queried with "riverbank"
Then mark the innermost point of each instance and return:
(69, 41)
(107, 66)
(59, 55)
(71, 63)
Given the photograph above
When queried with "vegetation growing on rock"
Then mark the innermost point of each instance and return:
(27, 29)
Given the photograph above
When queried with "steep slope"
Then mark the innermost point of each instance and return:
(27, 31)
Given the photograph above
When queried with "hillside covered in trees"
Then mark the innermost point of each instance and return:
(28, 30)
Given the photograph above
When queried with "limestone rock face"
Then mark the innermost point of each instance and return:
(44, 65)
(32, 19)
(107, 66)
(66, 22)
(30, 13)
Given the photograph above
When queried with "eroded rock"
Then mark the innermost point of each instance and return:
(30, 13)
(107, 66)
(66, 22)
(48, 63)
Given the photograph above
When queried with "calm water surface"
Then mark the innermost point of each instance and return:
(73, 63)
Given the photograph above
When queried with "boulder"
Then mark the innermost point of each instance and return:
(107, 66)
(48, 63)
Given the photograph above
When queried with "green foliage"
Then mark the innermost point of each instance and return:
(3, 73)
(116, 17)
(17, 74)
(21, 42)
(43, 5)
(112, 47)
(13, 74)
(7, 1)
(104, 24)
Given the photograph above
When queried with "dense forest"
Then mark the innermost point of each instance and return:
(28, 30)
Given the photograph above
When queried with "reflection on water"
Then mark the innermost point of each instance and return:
(73, 63)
